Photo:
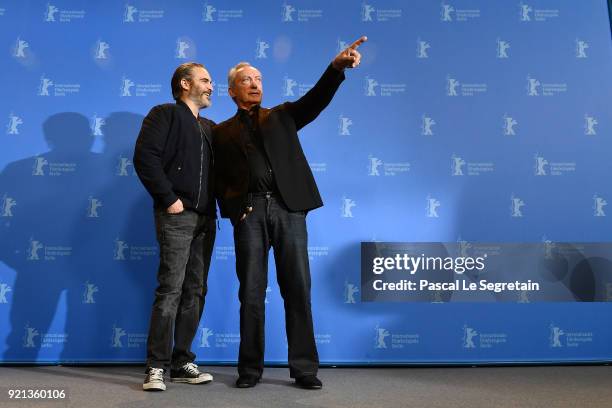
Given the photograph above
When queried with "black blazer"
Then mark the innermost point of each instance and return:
(168, 154)
(278, 128)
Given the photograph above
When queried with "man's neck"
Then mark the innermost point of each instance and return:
(192, 106)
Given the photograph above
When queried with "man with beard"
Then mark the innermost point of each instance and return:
(173, 159)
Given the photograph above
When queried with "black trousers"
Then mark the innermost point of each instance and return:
(270, 224)
(185, 248)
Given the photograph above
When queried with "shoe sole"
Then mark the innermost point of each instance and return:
(191, 380)
(311, 387)
(248, 385)
(146, 387)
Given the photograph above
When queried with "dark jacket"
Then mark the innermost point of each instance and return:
(278, 128)
(168, 158)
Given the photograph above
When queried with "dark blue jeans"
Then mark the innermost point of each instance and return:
(185, 248)
(271, 224)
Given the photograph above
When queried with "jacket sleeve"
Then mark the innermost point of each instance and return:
(148, 157)
(309, 106)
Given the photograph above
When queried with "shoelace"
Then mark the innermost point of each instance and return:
(192, 368)
(156, 374)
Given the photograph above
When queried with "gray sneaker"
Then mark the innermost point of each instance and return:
(154, 381)
(189, 374)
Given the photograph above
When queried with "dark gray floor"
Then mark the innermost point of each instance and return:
(586, 386)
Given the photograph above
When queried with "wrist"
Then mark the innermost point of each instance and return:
(337, 67)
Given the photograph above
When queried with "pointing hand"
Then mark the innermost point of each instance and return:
(349, 57)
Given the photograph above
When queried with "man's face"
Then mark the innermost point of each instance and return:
(200, 87)
(247, 89)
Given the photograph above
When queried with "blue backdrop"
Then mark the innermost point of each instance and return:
(468, 120)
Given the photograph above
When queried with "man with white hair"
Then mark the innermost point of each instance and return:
(264, 185)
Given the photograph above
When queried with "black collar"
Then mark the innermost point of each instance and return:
(253, 110)
(184, 105)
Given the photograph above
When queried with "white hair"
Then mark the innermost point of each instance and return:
(234, 70)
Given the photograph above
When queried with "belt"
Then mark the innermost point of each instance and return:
(260, 194)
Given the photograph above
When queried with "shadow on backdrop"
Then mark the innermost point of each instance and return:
(71, 205)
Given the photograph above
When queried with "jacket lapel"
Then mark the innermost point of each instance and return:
(237, 134)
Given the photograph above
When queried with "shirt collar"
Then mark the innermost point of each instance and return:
(253, 110)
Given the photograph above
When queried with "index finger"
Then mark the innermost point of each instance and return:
(357, 43)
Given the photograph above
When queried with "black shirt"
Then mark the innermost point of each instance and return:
(261, 177)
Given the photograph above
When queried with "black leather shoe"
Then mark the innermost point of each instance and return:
(247, 381)
(310, 382)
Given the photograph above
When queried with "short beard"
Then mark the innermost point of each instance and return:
(202, 103)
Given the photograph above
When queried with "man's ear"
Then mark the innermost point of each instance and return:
(185, 84)
(231, 92)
